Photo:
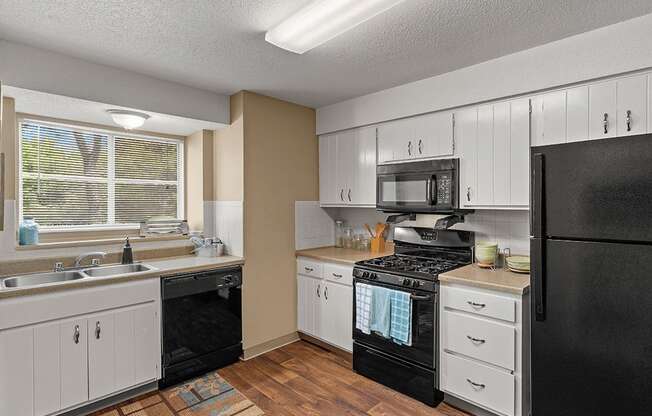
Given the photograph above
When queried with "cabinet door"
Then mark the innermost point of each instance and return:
(328, 192)
(519, 153)
(147, 341)
(554, 118)
(577, 114)
(346, 166)
(432, 135)
(47, 369)
(74, 362)
(501, 154)
(394, 141)
(308, 304)
(364, 189)
(466, 132)
(338, 312)
(632, 105)
(125, 349)
(485, 158)
(649, 103)
(602, 110)
(17, 372)
(101, 355)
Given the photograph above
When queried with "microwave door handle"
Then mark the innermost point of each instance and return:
(431, 192)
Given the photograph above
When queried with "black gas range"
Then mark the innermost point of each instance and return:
(421, 254)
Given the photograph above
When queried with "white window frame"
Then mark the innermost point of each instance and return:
(110, 178)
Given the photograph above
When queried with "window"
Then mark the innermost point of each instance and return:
(74, 177)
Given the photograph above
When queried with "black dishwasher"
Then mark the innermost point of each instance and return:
(202, 323)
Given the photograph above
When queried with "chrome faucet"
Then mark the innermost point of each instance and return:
(95, 261)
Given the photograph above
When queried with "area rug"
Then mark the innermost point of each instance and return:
(209, 395)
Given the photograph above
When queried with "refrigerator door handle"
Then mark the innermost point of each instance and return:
(538, 196)
(538, 273)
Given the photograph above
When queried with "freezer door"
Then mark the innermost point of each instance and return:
(592, 352)
(596, 190)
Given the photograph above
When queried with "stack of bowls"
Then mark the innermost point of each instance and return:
(486, 253)
(518, 264)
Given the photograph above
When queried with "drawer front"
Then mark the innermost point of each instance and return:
(482, 385)
(479, 303)
(309, 268)
(338, 273)
(478, 338)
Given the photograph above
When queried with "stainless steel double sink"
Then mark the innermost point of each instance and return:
(39, 279)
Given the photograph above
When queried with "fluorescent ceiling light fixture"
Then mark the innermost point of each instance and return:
(128, 119)
(322, 20)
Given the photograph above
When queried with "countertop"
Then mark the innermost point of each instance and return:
(162, 267)
(343, 255)
(501, 280)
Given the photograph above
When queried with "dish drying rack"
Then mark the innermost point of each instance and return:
(163, 227)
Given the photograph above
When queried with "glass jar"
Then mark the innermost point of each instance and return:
(357, 240)
(28, 232)
(347, 238)
(339, 234)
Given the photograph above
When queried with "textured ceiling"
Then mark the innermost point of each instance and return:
(219, 45)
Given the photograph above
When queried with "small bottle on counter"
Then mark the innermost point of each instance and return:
(339, 234)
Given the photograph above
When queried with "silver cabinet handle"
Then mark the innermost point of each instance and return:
(75, 334)
(628, 120)
(420, 146)
(98, 330)
(318, 288)
(342, 194)
(476, 305)
(309, 269)
(468, 193)
(605, 123)
(476, 385)
(337, 276)
(476, 340)
(410, 148)
(326, 292)
(349, 195)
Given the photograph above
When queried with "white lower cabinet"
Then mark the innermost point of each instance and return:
(324, 302)
(51, 367)
(484, 358)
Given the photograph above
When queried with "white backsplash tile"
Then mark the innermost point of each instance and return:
(510, 229)
(229, 226)
(313, 227)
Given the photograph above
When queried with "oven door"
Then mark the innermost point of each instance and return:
(424, 327)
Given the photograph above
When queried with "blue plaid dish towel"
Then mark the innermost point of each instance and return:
(401, 317)
(362, 307)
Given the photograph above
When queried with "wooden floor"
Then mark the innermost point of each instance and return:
(303, 379)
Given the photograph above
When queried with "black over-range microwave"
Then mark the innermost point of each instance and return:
(421, 187)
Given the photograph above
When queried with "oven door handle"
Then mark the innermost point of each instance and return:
(417, 297)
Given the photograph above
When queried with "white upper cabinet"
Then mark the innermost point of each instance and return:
(632, 105)
(577, 114)
(649, 103)
(422, 137)
(602, 110)
(549, 119)
(327, 169)
(495, 142)
(347, 168)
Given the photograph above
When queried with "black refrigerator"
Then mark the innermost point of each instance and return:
(591, 278)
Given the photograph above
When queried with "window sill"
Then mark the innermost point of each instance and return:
(99, 242)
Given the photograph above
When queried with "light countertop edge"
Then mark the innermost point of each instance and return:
(501, 280)
(162, 267)
(346, 256)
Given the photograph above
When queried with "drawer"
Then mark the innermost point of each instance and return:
(338, 273)
(481, 339)
(309, 268)
(479, 303)
(479, 384)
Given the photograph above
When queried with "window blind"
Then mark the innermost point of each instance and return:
(75, 177)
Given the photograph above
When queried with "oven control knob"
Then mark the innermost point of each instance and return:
(407, 282)
(373, 276)
(416, 283)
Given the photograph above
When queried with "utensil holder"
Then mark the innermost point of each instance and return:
(377, 244)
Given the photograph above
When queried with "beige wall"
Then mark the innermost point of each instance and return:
(228, 151)
(8, 145)
(280, 167)
(193, 149)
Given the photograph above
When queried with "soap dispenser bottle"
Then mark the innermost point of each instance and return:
(127, 253)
